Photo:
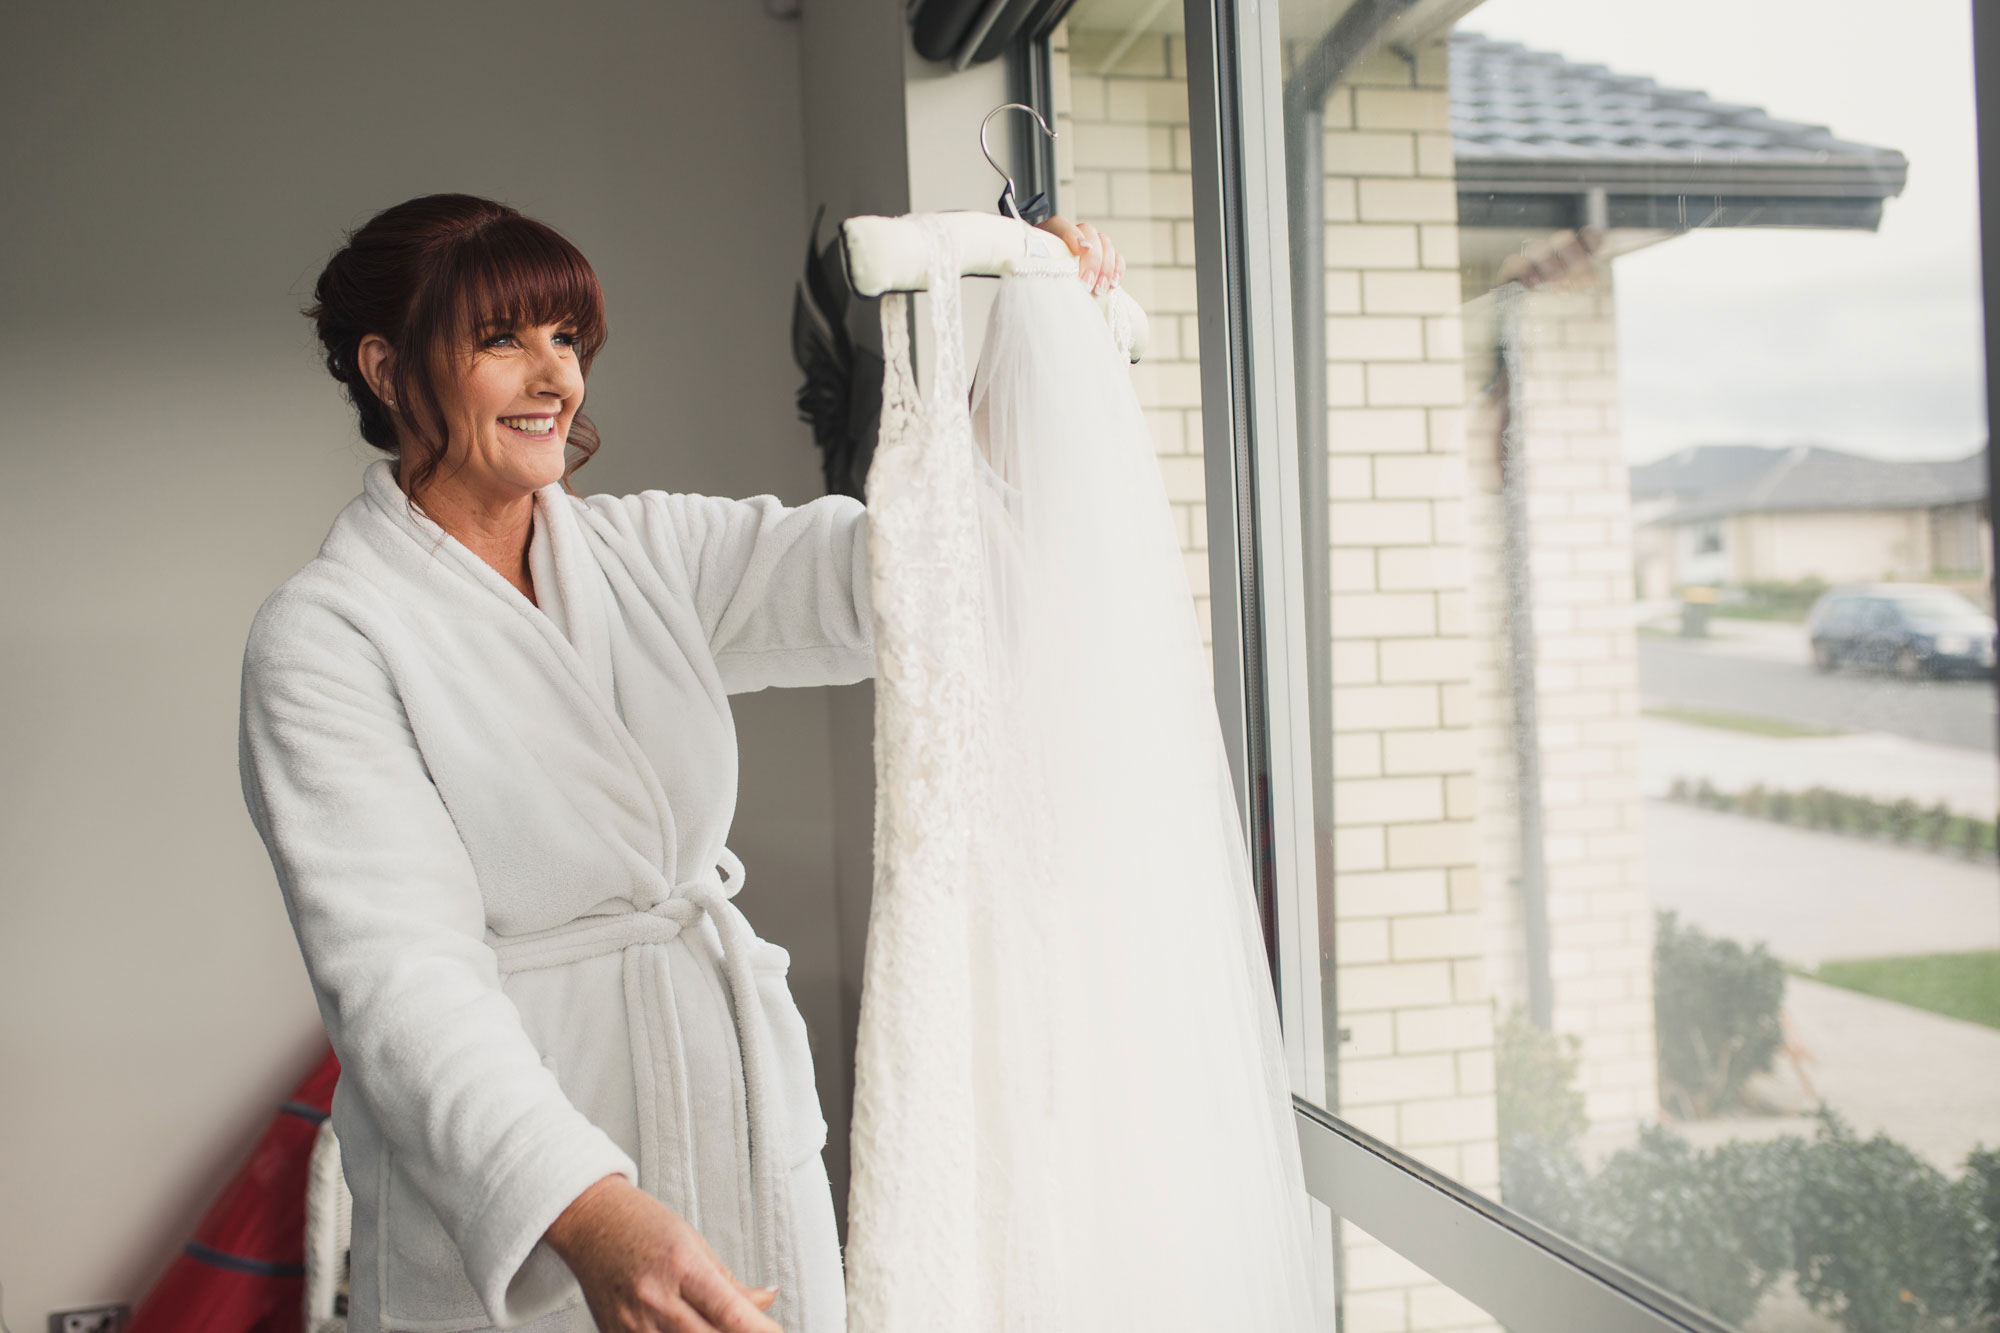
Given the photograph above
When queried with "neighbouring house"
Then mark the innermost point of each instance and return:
(1740, 514)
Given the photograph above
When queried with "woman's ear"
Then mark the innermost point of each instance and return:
(377, 360)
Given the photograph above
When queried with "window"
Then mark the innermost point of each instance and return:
(1578, 918)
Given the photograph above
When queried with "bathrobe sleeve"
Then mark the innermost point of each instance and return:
(388, 913)
(782, 592)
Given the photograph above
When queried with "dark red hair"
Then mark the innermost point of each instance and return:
(432, 276)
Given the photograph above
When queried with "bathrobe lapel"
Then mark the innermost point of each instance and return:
(572, 634)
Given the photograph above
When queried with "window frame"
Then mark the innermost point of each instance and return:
(1523, 1275)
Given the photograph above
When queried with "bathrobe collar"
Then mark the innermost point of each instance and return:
(574, 620)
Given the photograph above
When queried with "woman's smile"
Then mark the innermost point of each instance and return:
(541, 428)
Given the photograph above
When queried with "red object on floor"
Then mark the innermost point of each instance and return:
(244, 1271)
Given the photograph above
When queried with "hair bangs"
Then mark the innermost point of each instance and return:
(517, 273)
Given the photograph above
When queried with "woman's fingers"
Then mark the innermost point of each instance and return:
(726, 1303)
(1094, 269)
(1110, 264)
(681, 1317)
(1098, 263)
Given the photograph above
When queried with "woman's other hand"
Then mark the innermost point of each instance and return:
(1099, 265)
(645, 1270)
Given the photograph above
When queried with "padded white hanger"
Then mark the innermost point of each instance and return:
(889, 255)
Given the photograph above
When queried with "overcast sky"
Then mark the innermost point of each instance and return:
(1869, 342)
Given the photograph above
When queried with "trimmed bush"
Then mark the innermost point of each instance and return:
(1981, 1188)
(1875, 1237)
(1716, 1007)
(1935, 827)
(1881, 1239)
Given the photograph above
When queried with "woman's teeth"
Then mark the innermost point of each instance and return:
(530, 425)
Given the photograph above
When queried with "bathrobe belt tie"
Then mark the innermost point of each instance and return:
(664, 1129)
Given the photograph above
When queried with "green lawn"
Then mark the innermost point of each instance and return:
(1755, 726)
(1957, 985)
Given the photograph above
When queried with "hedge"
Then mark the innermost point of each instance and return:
(1934, 827)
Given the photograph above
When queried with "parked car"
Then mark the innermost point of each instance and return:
(1912, 629)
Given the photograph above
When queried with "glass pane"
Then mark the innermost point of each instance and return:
(1649, 590)
(1119, 80)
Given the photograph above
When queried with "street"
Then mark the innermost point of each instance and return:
(1956, 712)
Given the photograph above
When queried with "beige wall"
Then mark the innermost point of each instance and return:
(175, 176)
(1587, 696)
(1840, 547)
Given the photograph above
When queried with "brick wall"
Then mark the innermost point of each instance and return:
(1580, 554)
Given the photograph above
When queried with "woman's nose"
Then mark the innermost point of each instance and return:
(557, 372)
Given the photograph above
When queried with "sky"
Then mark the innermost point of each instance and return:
(1868, 342)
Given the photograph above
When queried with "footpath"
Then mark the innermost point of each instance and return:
(1862, 763)
(1929, 1081)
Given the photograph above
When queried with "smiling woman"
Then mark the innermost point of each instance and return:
(487, 739)
(480, 301)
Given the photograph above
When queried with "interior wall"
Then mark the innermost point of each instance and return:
(175, 177)
(851, 91)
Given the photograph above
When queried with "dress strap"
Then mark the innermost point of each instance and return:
(944, 393)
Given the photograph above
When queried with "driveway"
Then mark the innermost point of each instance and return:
(1814, 896)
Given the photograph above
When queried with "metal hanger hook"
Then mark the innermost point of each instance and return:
(1007, 197)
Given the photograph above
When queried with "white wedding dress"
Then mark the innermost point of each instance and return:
(1071, 1109)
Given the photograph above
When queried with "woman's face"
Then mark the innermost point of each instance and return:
(516, 393)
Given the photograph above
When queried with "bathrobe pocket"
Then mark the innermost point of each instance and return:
(804, 1128)
(423, 1281)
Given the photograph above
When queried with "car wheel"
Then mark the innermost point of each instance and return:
(1824, 658)
(1909, 663)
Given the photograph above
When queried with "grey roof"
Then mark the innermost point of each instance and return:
(1688, 472)
(1812, 477)
(1531, 123)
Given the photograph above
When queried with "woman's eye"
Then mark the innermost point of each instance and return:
(567, 339)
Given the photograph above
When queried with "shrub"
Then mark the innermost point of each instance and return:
(1981, 1189)
(1707, 1226)
(1716, 1007)
(1540, 1117)
(1876, 1237)
(1934, 826)
(1535, 1084)
(1881, 1239)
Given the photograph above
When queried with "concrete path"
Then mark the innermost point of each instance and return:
(1862, 763)
(1814, 896)
(1929, 1082)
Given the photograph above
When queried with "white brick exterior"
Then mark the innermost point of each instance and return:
(1600, 918)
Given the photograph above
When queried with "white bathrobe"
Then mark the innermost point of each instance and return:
(499, 831)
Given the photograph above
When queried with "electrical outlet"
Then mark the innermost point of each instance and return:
(94, 1319)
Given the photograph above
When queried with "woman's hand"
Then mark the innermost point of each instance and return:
(1099, 265)
(645, 1270)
